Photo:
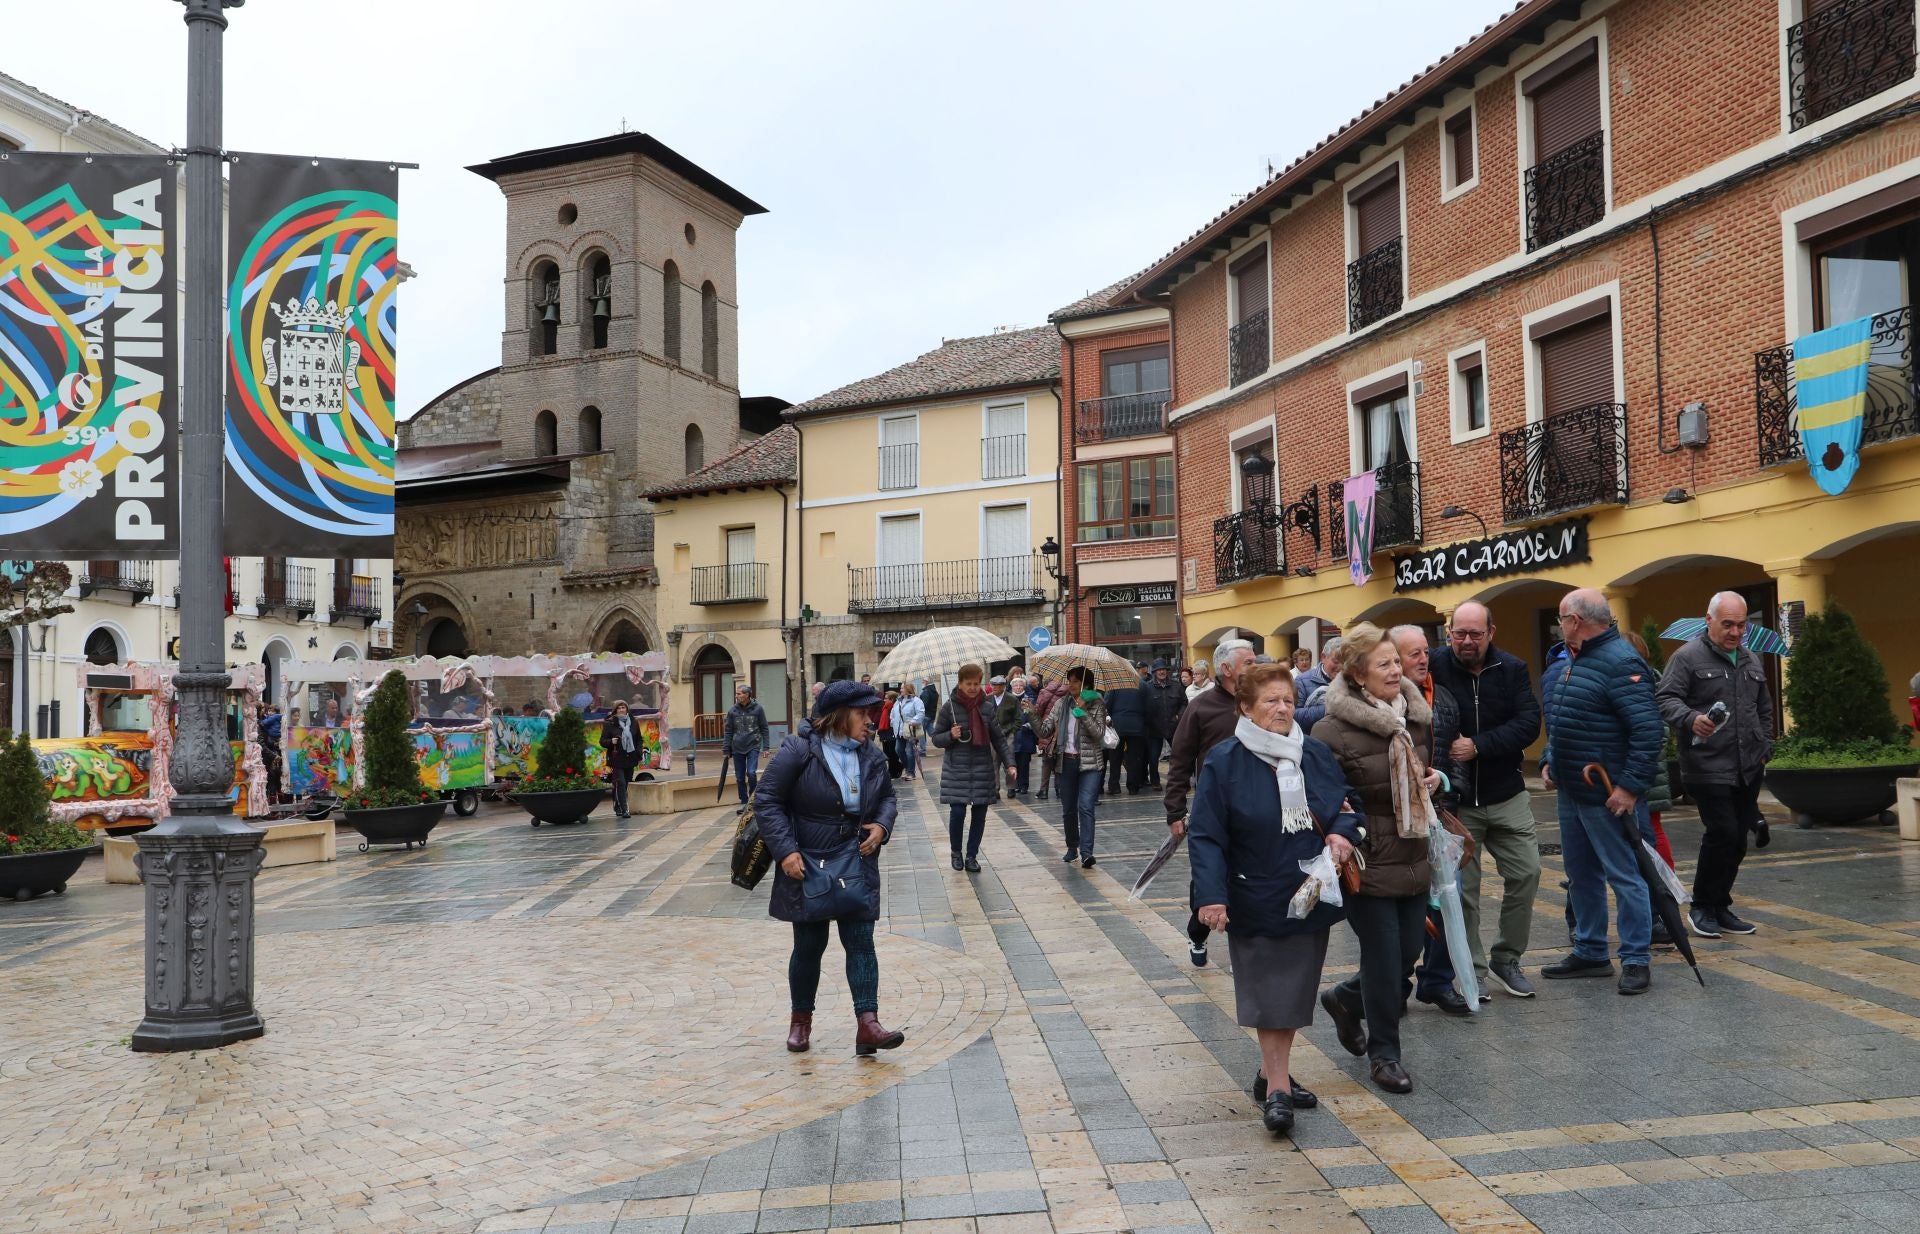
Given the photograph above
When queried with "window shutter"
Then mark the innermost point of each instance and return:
(1576, 366)
(1566, 101)
(1460, 134)
(1250, 283)
(1376, 209)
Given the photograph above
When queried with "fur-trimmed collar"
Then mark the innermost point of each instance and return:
(1344, 700)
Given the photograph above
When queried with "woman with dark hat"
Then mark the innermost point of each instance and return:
(826, 789)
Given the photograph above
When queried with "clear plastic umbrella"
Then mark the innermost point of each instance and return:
(1443, 855)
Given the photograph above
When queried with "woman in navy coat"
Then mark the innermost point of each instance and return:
(1268, 798)
(825, 788)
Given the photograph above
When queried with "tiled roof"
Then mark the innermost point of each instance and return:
(772, 459)
(1094, 302)
(957, 366)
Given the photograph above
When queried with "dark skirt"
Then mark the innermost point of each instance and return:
(1276, 980)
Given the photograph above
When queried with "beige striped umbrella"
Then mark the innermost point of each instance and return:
(940, 651)
(1110, 671)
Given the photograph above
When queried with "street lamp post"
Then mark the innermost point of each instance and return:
(1050, 553)
(198, 865)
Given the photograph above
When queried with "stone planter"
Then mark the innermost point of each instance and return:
(403, 825)
(27, 875)
(570, 806)
(1837, 794)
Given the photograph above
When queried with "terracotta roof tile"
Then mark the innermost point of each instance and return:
(957, 366)
(1094, 302)
(771, 459)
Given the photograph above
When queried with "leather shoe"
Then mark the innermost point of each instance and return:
(1391, 1076)
(1634, 979)
(1730, 924)
(957, 863)
(1277, 1113)
(973, 865)
(1346, 1024)
(1303, 1099)
(873, 1035)
(1574, 966)
(1447, 999)
(800, 1032)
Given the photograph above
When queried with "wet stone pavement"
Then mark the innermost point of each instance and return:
(579, 1030)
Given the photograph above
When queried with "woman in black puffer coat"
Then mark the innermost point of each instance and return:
(823, 790)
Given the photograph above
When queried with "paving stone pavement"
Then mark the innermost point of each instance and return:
(578, 1030)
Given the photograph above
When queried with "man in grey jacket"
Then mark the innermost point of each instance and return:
(746, 736)
(1714, 697)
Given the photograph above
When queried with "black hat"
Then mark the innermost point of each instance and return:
(840, 694)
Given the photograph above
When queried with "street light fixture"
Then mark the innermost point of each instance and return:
(1050, 553)
(1463, 512)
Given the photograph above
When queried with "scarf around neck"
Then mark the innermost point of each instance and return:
(625, 724)
(976, 729)
(1412, 811)
(1281, 751)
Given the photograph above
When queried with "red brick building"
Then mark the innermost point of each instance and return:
(1117, 478)
(1551, 287)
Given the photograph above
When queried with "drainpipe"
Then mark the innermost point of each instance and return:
(800, 574)
(792, 724)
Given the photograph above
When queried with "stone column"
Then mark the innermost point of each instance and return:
(1620, 598)
(1804, 580)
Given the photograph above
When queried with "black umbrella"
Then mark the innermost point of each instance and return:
(1657, 893)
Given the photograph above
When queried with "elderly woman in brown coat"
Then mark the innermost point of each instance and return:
(1380, 728)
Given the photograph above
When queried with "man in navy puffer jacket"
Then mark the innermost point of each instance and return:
(1601, 710)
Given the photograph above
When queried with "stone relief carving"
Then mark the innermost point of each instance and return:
(502, 536)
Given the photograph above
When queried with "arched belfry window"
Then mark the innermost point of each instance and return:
(709, 330)
(546, 436)
(543, 310)
(598, 289)
(696, 449)
(670, 312)
(589, 430)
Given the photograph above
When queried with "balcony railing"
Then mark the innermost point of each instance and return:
(355, 598)
(1850, 52)
(970, 583)
(1891, 395)
(1002, 458)
(737, 582)
(1565, 462)
(1396, 509)
(1568, 192)
(287, 587)
(1248, 348)
(1247, 544)
(1119, 416)
(1373, 285)
(900, 466)
(134, 578)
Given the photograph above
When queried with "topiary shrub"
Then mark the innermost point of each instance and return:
(560, 763)
(392, 777)
(1837, 695)
(26, 822)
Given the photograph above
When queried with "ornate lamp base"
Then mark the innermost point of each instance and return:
(199, 953)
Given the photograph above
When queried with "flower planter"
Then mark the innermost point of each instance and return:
(568, 806)
(1837, 794)
(403, 825)
(26, 875)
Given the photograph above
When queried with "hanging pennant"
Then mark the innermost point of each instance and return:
(1359, 501)
(1830, 382)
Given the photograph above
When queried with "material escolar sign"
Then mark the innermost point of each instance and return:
(1510, 552)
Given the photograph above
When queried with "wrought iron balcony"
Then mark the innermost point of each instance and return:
(900, 466)
(131, 578)
(975, 582)
(1850, 52)
(1120, 416)
(286, 587)
(355, 598)
(1248, 348)
(1565, 462)
(1396, 509)
(739, 582)
(1892, 398)
(1248, 544)
(1568, 192)
(1374, 285)
(1003, 457)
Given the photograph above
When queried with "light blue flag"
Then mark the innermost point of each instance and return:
(1830, 379)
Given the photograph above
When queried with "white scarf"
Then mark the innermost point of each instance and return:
(1281, 751)
(1412, 810)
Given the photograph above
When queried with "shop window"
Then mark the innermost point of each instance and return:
(1125, 499)
(835, 666)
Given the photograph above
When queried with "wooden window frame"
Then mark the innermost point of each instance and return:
(1460, 363)
(1135, 356)
(1452, 185)
(1126, 520)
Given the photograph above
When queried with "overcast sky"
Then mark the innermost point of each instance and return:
(931, 170)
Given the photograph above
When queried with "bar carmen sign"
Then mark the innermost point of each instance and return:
(1511, 552)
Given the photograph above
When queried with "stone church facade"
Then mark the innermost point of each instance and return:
(521, 526)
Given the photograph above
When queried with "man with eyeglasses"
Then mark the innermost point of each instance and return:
(1499, 718)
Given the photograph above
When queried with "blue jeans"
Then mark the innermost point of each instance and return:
(905, 748)
(1079, 797)
(746, 774)
(1597, 847)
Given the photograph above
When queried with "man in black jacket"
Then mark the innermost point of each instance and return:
(1499, 719)
(1165, 699)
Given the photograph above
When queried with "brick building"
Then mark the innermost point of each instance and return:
(1117, 477)
(522, 524)
(1551, 286)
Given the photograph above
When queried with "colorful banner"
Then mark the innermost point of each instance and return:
(319, 760)
(88, 443)
(1360, 492)
(311, 343)
(450, 761)
(1830, 385)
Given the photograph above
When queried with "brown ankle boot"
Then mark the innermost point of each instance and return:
(800, 1032)
(873, 1035)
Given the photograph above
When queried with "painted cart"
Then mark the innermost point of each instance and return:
(531, 689)
(116, 777)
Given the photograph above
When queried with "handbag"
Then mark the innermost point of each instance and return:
(751, 857)
(1349, 870)
(1452, 824)
(835, 884)
(1110, 739)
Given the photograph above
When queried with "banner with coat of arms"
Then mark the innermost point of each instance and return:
(313, 271)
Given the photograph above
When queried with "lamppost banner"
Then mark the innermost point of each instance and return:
(313, 267)
(88, 429)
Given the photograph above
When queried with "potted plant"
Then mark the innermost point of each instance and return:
(392, 806)
(1670, 749)
(559, 790)
(37, 854)
(1845, 750)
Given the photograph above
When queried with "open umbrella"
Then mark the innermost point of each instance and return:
(1109, 670)
(1759, 639)
(1657, 893)
(940, 651)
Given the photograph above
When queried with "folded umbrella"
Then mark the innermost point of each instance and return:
(1657, 894)
(1444, 850)
(1167, 850)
